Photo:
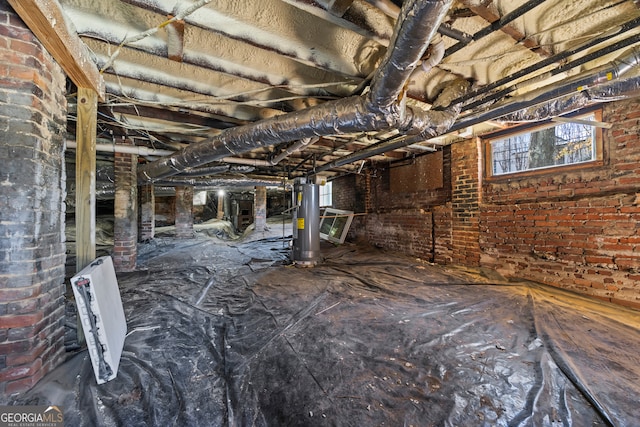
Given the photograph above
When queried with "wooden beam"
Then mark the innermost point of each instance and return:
(485, 12)
(86, 177)
(175, 39)
(46, 20)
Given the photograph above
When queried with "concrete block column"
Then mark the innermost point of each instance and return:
(125, 225)
(147, 212)
(184, 212)
(32, 214)
(260, 209)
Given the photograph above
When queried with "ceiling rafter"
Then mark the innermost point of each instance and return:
(488, 13)
(240, 28)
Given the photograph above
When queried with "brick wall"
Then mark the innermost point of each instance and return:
(349, 193)
(125, 226)
(184, 212)
(32, 193)
(260, 208)
(165, 210)
(465, 199)
(147, 212)
(414, 222)
(580, 229)
(577, 229)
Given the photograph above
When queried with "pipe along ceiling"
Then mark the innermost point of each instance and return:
(345, 82)
(383, 107)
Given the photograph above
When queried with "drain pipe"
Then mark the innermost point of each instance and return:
(126, 149)
(297, 146)
(380, 109)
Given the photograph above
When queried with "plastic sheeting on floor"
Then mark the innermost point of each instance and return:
(366, 338)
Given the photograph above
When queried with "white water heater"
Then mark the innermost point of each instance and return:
(306, 224)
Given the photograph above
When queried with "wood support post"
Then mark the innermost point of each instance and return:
(86, 177)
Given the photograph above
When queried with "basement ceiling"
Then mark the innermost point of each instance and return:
(172, 83)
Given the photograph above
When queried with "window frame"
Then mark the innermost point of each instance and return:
(487, 139)
(328, 187)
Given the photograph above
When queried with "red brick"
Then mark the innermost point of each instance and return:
(18, 321)
(20, 371)
(15, 359)
(23, 384)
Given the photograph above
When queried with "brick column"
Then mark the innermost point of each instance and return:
(125, 225)
(184, 212)
(32, 214)
(220, 213)
(260, 209)
(147, 212)
(465, 202)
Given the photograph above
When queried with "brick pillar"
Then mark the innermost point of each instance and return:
(368, 200)
(220, 213)
(147, 212)
(465, 202)
(125, 225)
(184, 212)
(260, 208)
(32, 193)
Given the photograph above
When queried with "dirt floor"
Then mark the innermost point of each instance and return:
(366, 338)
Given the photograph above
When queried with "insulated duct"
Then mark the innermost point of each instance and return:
(571, 88)
(622, 89)
(382, 108)
(558, 58)
(215, 170)
(220, 182)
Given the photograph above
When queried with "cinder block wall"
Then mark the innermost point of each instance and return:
(32, 193)
(578, 230)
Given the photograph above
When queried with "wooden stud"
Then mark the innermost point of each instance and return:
(86, 177)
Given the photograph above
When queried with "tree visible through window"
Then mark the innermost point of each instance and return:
(563, 144)
(326, 194)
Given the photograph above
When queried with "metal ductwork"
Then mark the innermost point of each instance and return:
(546, 102)
(568, 96)
(622, 89)
(382, 108)
(219, 182)
(215, 170)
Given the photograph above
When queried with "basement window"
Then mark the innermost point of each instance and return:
(569, 141)
(326, 191)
